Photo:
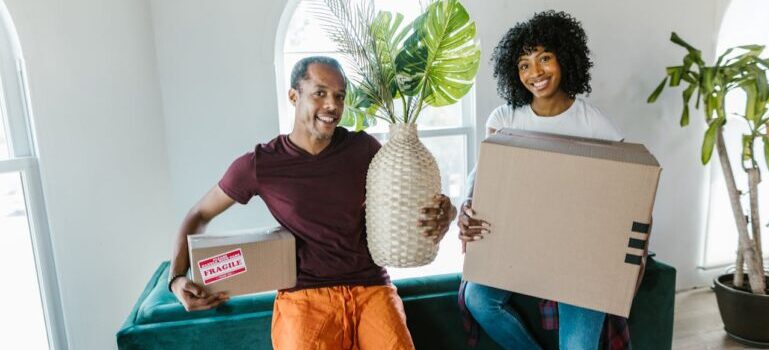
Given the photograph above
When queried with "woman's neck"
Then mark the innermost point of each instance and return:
(551, 105)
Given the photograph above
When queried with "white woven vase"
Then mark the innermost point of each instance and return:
(402, 179)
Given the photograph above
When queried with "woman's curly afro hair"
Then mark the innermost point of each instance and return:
(557, 32)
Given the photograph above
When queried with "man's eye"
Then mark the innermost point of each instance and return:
(320, 93)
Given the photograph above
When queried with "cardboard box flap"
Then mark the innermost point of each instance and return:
(572, 145)
(237, 237)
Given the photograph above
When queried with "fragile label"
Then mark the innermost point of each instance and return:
(222, 266)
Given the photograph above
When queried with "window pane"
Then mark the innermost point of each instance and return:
(744, 22)
(305, 37)
(721, 240)
(22, 324)
(450, 152)
(449, 259)
(442, 117)
(305, 34)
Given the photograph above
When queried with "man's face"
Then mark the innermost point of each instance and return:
(540, 72)
(319, 101)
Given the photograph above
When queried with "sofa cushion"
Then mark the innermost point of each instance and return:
(158, 321)
(160, 305)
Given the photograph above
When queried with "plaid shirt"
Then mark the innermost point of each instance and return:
(615, 334)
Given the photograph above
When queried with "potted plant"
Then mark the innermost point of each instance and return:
(398, 71)
(744, 308)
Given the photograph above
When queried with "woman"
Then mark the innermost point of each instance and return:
(541, 67)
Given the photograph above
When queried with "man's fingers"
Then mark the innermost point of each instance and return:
(432, 212)
(206, 303)
(195, 290)
(428, 223)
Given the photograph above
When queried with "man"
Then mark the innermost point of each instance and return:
(313, 182)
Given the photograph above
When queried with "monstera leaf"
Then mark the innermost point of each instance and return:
(432, 60)
(358, 110)
(440, 58)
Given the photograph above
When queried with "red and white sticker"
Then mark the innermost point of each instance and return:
(222, 266)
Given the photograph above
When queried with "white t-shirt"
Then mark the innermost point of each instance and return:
(581, 119)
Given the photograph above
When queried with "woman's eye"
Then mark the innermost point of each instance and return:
(545, 58)
(523, 67)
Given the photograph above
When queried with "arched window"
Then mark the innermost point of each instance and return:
(447, 132)
(744, 23)
(31, 309)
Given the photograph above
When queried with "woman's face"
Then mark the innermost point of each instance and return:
(540, 72)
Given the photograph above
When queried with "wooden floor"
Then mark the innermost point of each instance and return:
(698, 325)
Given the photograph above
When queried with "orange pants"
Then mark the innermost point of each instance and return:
(340, 317)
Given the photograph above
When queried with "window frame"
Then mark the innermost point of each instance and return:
(466, 129)
(16, 115)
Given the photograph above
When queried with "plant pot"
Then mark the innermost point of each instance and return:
(745, 315)
(403, 178)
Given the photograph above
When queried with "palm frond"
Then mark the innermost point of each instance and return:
(358, 35)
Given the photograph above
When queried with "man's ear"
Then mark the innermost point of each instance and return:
(292, 96)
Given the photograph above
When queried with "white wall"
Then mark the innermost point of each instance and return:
(97, 108)
(215, 64)
(630, 49)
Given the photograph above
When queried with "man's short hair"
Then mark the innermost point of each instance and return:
(299, 72)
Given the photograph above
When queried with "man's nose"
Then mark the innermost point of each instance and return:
(331, 104)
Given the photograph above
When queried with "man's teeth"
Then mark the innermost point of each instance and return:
(327, 119)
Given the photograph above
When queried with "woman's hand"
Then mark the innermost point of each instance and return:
(471, 228)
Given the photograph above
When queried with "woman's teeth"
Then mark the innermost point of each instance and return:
(539, 85)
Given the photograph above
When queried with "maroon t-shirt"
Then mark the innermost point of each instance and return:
(320, 199)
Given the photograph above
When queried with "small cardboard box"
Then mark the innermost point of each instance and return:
(243, 262)
(569, 217)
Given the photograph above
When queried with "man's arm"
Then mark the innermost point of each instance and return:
(192, 296)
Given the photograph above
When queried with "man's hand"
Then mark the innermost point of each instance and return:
(193, 297)
(436, 217)
(471, 228)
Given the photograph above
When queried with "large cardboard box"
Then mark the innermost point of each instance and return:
(243, 262)
(569, 217)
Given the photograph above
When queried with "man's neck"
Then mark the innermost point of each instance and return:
(308, 143)
(551, 106)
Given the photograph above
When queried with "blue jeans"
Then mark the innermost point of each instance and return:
(578, 328)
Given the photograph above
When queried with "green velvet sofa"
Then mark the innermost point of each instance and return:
(158, 321)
